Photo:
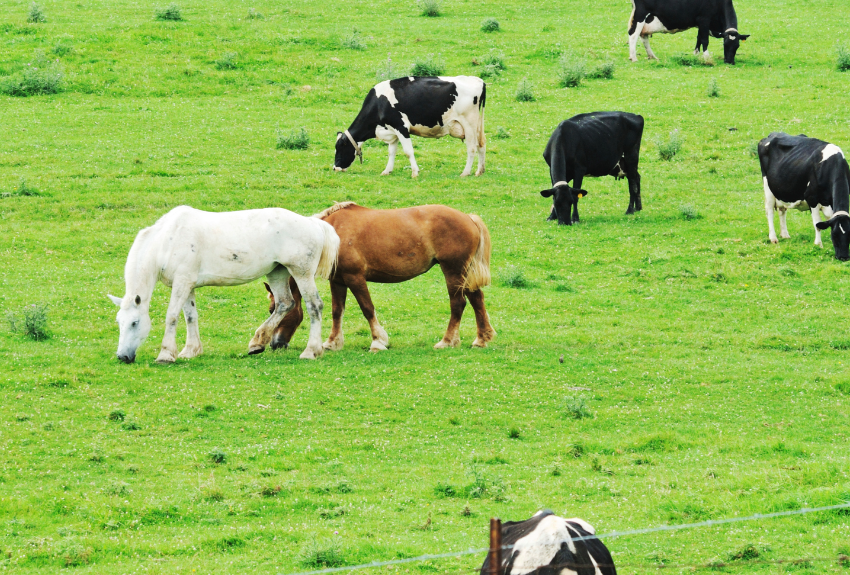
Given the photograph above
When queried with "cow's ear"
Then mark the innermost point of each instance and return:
(744, 37)
(580, 193)
(823, 225)
(548, 193)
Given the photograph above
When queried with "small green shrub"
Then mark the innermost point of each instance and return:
(62, 48)
(353, 41)
(514, 433)
(431, 8)
(493, 64)
(513, 277)
(445, 490)
(72, 553)
(227, 61)
(270, 490)
(319, 554)
(116, 487)
(668, 149)
(502, 133)
(466, 511)
(36, 14)
(576, 450)
(430, 66)
(713, 89)
(23, 189)
(32, 322)
(843, 59)
(747, 553)
(576, 408)
(604, 71)
(295, 140)
(525, 91)
(689, 212)
(117, 415)
(490, 25)
(39, 77)
(254, 15)
(571, 71)
(131, 426)
(386, 71)
(170, 12)
(843, 387)
(217, 456)
(565, 288)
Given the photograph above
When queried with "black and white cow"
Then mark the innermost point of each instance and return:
(545, 545)
(427, 107)
(807, 174)
(714, 17)
(595, 144)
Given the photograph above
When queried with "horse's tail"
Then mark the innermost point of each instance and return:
(330, 250)
(477, 273)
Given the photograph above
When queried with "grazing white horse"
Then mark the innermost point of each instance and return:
(187, 248)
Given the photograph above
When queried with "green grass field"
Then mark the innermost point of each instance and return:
(704, 369)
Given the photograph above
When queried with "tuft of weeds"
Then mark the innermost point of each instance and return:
(571, 71)
(454, 420)
(32, 322)
(320, 554)
(576, 450)
(131, 426)
(72, 553)
(386, 71)
(227, 61)
(565, 288)
(431, 8)
(268, 473)
(61, 48)
(556, 471)
(23, 190)
(502, 133)
(433, 65)
(353, 41)
(577, 408)
(843, 387)
(445, 490)
(170, 12)
(843, 59)
(217, 456)
(36, 15)
(604, 71)
(747, 553)
(466, 511)
(787, 271)
(116, 487)
(493, 64)
(667, 149)
(689, 60)
(713, 89)
(514, 433)
(490, 25)
(38, 78)
(525, 91)
(689, 212)
(270, 490)
(513, 277)
(117, 415)
(254, 15)
(295, 140)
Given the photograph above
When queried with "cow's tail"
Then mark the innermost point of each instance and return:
(482, 141)
(477, 273)
(330, 250)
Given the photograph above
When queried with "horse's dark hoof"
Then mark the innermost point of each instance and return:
(256, 349)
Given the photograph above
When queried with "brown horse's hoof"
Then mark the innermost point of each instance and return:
(255, 349)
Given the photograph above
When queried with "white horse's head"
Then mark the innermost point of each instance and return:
(134, 325)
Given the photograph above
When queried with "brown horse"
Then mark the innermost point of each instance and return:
(391, 246)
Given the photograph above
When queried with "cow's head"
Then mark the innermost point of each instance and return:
(840, 224)
(563, 199)
(345, 153)
(731, 41)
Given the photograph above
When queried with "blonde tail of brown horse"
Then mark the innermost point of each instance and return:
(477, 273)
(330, 252)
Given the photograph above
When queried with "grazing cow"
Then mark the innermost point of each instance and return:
(807, 174)
(715, 17)
(596, 144)
(546, 545)
(427, 107)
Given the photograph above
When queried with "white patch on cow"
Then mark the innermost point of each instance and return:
(583, 524)
(798, 205)
(831, 150)
(576, 533)
(732, 36)
(541, 545)
(410, 78)
(840, 227)
(384, 89)
(657, 27)
(815, 220)
(769, 206)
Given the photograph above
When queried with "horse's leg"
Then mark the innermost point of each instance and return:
(279, 284)
(193, 336)
(457, 302)
(360, 290)
(313, 303)
(485, 330)
(180, 291)
(336, 340)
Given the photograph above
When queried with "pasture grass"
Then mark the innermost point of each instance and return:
(36, 14)
(717, 379)
(297, 139)
(525, 91)
(431, 8)
(490, 25)
(668, 148)
(431, 65)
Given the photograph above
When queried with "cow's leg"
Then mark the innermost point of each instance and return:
(485, 330)
(407, 148)
(577, 180)
(482, 148)
(769, 206)
(180, 290)
(457, 302)
(702, 40)
(193, 336)
(553, 215)
(650, 55)
(360, 290)
(630, 163)
(393, 148)
(633, 38)
(336, 339)
(815, 220)
(783, 226)
(471, 141)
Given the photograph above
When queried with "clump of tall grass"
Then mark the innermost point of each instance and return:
(31, 322)
(318, 554)
(525, 91)
(687, 59)
(227, 61)
(502, 133)
(604, 71)
(39, 77)
(217, 456)
(254, 15)
(493, 64)
(295, 140)
(170, 12)
(667, 149)
(577, 408)
(713, 89)
(36, 14)
(430, 66)
(571, 71)
(23, 189)
(513, 277)
(689, 212)
(843, 59)
(490, 25)
(62, 48)
(386, 71)
(353, 41)
(431, 8)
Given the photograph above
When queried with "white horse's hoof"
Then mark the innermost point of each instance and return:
(310, 354)
(190, 352)
(165, 356)
(479, 172)
(633, 59)
(414, 175)
(774, 241)
(377, 346)
(464, 174)
(385, 173)
(785, 236)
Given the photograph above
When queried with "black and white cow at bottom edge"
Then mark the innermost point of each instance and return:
(421, 106)
(594, 144)
(545, 545)
(803, 173)
(711, 17)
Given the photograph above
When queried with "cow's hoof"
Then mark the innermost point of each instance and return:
(165, 356)
(255, 349)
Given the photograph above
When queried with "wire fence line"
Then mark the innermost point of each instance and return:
(612, 534)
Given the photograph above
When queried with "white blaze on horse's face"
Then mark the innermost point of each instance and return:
(134, 325)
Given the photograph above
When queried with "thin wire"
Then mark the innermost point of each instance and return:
(610, 534)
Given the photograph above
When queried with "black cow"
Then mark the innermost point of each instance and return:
(715, 17)
(427, 107)
(545, 545)
(595, 144)
(807, 174)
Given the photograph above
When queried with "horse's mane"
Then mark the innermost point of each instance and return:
(334, 208)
